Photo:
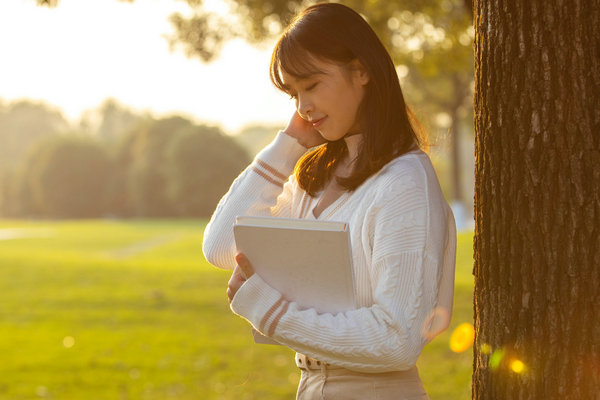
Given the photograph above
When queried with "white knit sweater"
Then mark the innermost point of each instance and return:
(403, 247)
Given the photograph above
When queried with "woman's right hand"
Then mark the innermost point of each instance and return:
(303, 132)
(242, 271)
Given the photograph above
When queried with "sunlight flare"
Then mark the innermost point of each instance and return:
(496, 358)
(517, 366)
(462, 337)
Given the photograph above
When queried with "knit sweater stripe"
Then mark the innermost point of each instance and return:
(266, 176)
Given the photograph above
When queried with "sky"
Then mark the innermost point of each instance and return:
(82, 52)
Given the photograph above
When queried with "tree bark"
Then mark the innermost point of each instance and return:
(537, 205)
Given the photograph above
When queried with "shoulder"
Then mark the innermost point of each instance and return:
(405, 172)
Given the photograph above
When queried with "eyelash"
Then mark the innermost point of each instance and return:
(309, 88)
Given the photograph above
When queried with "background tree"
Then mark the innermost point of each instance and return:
(254, 138)
(120, 192)
(147, 174)
(68, 176)
(116, 127)
(537, 200)
(15, 196)
(22, 123)
(201, 164)
(110, 122)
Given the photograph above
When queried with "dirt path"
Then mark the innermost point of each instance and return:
(24, 233)
(145, 245)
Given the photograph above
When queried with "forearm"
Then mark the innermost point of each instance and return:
(385, 336)
(254, 192)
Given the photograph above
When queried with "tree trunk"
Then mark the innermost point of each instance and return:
(537, 204)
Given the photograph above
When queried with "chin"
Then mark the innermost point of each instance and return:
(331, 137)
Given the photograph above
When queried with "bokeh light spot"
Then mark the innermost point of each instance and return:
(517, 366)
(68, 342)
(485, 348)
(462, 338)
(496, 358)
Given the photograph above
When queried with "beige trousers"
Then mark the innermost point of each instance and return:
(320, 381)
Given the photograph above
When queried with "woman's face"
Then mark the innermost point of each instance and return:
(330, 98)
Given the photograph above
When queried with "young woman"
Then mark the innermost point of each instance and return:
(349, 153)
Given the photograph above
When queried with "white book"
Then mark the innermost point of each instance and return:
(308, 261)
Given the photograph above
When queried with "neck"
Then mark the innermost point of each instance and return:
(353, 143)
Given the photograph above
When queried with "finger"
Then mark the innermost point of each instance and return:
(234, 285)
(236, 277)
(244, 265)
(238, 274)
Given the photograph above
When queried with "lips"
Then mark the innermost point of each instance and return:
(317, 122)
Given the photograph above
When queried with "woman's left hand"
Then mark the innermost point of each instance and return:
(242, 271)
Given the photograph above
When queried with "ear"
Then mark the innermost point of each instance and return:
(359, 72)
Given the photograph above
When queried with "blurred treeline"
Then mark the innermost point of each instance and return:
(113, 162)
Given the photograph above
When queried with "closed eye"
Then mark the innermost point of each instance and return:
(308, 89)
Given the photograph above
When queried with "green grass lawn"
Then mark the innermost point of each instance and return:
(131, 310)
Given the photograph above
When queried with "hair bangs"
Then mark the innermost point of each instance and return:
(291, 57)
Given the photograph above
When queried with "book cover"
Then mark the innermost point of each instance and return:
(309, 262)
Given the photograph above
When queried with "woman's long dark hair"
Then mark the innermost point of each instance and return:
(333, 32)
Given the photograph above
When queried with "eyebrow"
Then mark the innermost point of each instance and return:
(308, 75)
(302, 77)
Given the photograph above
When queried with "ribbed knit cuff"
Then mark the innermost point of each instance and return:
(282, 153)
(258, 303)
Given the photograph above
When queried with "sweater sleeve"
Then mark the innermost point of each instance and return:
(405, 274)
(263, 188)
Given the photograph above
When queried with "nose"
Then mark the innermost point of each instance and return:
(304, 106)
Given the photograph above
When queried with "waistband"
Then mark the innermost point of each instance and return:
(306, 363)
